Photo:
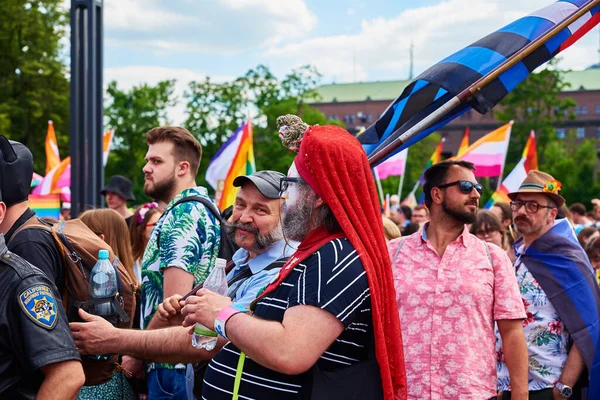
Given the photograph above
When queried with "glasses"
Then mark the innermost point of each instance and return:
(482, 233)
(284, 183)
(465, 187)
(530, 206)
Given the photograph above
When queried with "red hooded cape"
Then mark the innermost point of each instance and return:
(335, 165)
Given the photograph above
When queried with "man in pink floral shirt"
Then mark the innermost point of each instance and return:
(450, 288)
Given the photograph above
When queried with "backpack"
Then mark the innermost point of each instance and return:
(79, 248)
(227, 247)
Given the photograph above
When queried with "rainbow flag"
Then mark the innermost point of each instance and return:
(434, 159)
(45, 206)
(234, 158)
(410, 200)
(52, 155)
(36, 179)
(489, 153)
(464, 144)
(511, 183)
(393, 166)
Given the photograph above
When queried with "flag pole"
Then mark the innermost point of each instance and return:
(400, 187)
(474, 88)
(378, 181)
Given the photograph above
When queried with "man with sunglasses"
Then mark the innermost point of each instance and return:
(450, 288)
(560, 295)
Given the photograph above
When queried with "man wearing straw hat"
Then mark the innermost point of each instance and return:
(561, 297)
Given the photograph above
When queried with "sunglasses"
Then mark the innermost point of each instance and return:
(284, 183)
(465, 187)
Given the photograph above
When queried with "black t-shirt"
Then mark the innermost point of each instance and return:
(333, 279)
(34, 331)
(38, 248)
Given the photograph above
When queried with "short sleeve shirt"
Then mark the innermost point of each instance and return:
(189, 239)
(545, 333)
(34, 331)
(333, 279)
(447, 307)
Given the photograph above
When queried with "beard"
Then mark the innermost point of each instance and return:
(162, 191)
(459, 214)
(296, 220)
(525, 226)
(262, 242)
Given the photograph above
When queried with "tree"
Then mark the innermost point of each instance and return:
(131, 114)
(535, 105)
(215, 110)
(33, 83)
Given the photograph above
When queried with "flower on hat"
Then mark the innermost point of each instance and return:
(552, 187)
(144, 210)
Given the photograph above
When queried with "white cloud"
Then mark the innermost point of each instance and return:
(128, 77)
(212, 26)
(381, 47)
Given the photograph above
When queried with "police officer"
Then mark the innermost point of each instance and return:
(38, 357)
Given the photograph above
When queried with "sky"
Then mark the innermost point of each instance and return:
(347, 41)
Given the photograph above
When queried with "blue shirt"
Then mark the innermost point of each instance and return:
(249, 287)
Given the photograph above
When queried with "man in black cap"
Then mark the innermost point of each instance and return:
(117, 192)
(34, 245)
(256, 227)
(38, 358)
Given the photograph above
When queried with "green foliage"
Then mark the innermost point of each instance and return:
(131, 114)
(535, 105)
(215, 110)
(418, 156)
(33, 83)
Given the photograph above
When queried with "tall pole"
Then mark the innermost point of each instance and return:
(87, 112)
(400, 185)
(410, 71)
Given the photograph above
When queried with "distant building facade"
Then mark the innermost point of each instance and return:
(360, 104)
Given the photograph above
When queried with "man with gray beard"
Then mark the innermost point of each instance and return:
(255, 227)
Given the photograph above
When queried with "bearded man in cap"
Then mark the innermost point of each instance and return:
(327, 325)
(560, 294)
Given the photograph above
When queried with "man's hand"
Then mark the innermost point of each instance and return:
(169, 310)
(203, 308)
(133, 367)
(95, 336)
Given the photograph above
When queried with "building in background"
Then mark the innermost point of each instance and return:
(358, 105)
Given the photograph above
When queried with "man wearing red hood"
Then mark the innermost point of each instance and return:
(327, 325)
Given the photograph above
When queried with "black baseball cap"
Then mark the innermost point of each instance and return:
(267, 182)
(16, 171)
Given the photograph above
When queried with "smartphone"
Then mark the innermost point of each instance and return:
(192, 292)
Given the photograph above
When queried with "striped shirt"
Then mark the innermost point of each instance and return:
(332, 278)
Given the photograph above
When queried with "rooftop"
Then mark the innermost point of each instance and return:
(588, 79)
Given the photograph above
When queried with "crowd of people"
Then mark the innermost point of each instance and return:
(327, 297)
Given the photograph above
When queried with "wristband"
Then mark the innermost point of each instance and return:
(224, 315)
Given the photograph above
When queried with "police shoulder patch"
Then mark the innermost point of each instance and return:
(38, 303)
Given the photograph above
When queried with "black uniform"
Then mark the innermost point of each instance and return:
(38, 248)
(34, 331)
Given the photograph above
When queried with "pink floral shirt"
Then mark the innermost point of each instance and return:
(447, 308)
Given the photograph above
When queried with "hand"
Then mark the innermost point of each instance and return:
(556, 394)
(203, 308)
(95, 336)
(132, 367)
(169, 310)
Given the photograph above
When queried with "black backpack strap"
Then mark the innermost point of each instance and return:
(248, 273)
(207, 203)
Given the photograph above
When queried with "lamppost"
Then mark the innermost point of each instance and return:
(87, 111)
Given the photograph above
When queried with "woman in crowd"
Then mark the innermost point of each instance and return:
(390, 229)
(111, 228)
(142, 223)
(592, 250)
(488, 227)
(587, 234)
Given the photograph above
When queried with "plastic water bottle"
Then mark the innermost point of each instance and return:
(103, 284)
(204, 338)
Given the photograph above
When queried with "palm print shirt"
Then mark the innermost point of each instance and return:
(545, 334)
(189, 239)
(447, 307)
